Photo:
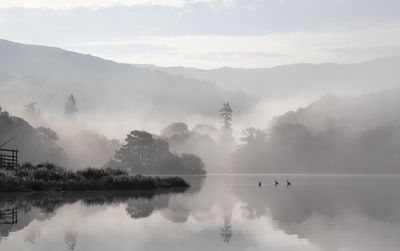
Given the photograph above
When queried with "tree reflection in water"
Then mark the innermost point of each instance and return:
(40, 206)
(326, 212)
(70, 239)
(226, 230)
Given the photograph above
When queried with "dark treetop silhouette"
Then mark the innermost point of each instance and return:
(145, 154)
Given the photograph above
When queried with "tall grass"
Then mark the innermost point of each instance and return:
(47, 176)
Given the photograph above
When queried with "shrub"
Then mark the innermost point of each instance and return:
(48, 176)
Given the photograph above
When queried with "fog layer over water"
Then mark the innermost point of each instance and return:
(228, 213)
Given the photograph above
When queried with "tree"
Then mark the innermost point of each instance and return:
(31, 110)
(176, 128)
(226, 115)
(37, 145)
(192, 163)
(252, 135)
(138, 152)
(71, 107)
(205, 130)
(47, 135)
(4, 113)
(145, 154)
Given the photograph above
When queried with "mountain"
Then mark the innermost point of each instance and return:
(298, 79)
(46, 75)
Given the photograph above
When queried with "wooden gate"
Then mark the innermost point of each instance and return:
(8, 158)
(8, 216)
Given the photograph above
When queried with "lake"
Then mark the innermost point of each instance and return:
(220, 212)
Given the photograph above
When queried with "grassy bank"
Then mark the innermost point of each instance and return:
(49, 177)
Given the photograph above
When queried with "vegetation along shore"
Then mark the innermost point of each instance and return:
(50, 177)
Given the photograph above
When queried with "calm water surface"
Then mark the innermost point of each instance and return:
(219, 213)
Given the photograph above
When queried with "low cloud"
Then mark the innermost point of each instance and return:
(95, 4)
(252, 51)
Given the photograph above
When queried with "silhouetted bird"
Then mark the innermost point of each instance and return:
(288, 183)
(276, 183)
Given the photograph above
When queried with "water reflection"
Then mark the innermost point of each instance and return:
(43, 206)
(333, 212)
(313, 213)
(8, 216)
(226, 230)
(70, 239)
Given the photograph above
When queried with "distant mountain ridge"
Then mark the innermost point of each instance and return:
(32, 73)
(298, 79)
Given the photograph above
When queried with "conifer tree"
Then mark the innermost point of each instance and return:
(226, 115)
(71, 107)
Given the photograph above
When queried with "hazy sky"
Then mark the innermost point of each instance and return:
(209, 33)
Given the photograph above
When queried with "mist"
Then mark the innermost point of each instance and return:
(331, 135)
(199, 125)
(322, 125)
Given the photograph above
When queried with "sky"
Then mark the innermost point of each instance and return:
(209, 33)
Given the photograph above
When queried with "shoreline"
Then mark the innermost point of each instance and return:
(49, 177)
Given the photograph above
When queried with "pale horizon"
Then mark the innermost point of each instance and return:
(205, 68)
(209, 34)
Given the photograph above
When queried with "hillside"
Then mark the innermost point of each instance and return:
(298, 79)
(331, 135)
(46, 75)
(352, 114)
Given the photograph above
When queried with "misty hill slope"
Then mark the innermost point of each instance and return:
(300, 79)
(331, 135)
(31, 73)
(347, 113)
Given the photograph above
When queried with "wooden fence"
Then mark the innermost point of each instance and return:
(8, 158)
(8, 216)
